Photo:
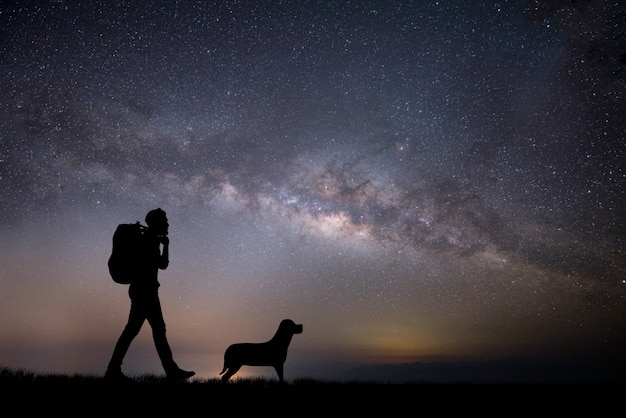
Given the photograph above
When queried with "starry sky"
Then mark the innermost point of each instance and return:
(434, 189)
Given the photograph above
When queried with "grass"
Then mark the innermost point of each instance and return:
(250, 385)
(24, 376)
(152, 394)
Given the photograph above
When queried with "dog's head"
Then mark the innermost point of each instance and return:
(291, 327)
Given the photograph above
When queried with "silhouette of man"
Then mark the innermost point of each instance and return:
(145, 303)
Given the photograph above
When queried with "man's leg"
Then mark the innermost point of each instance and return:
(136, 319)
(157, 323)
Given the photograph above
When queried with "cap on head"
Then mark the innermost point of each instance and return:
(155, 216)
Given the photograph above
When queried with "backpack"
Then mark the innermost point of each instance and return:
(124, 262)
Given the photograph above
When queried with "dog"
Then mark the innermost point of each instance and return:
(270, 353)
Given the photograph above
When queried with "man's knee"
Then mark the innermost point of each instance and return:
(158, 328)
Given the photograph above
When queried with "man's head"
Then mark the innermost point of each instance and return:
(157, 220)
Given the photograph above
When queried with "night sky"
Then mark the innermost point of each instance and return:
(434, 189)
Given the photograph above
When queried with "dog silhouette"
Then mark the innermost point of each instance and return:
(270, 353)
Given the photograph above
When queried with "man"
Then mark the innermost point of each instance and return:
(144, 301)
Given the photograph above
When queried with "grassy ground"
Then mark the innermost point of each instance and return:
(149, 394)
(26, 377)
(30, 392)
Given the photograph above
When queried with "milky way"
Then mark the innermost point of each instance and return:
(412, 181)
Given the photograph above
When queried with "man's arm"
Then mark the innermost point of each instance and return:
(164, 260)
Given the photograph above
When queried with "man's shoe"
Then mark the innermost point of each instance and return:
(116, 376)
(179, 374)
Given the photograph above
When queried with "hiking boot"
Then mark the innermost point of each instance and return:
(179, 374)
(117, 376)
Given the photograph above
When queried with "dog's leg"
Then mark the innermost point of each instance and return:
(231, 371)
(279, 371)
